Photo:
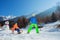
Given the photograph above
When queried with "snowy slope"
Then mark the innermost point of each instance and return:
(51, 27)
(31, 36)
(43, 35)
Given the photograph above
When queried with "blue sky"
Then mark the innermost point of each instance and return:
(24, 7)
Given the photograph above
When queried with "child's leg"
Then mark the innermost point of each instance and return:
(36, 26)
(30, 28)
(18, 30)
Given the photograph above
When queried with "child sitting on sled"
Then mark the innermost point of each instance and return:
(15, 27)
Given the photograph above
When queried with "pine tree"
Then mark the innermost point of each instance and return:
(53, 17)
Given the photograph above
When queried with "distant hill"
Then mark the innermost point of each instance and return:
(47, 12)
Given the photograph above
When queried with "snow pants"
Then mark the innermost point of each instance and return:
(33, 25)
(18, 30)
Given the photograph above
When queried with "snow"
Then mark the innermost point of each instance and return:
(8, 17)
(48, 32)
(31, 36)
(51, 27)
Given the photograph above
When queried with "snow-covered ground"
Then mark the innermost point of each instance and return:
(51, 27)
(46, 33)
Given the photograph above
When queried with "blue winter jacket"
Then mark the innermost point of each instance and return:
(33, 20)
